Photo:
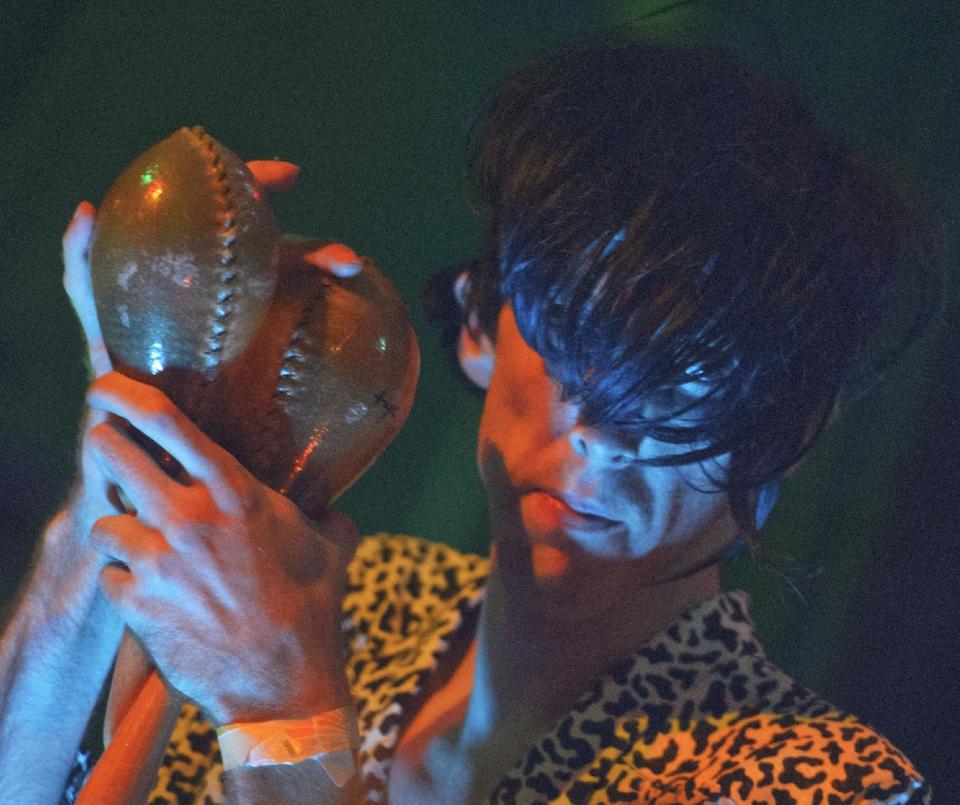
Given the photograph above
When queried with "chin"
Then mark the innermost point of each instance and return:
(549, 565)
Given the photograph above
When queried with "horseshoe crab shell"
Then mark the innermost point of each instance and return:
(304, 377)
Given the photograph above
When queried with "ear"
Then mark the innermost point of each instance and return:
(475, 354)
(475, 350)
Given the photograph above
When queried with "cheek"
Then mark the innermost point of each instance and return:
(517, 412)
(499, 435)
(682, 505)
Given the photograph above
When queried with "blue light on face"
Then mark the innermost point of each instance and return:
(155, 358)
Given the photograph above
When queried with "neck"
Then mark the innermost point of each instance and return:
(535, 658)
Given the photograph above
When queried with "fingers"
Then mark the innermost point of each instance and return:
(145, 487)
(339, 260)
(340, 530)
(273, 174)
(79, 286)
(276, 175)
(124, 538)
(153, 413)
(76, 245)
(129, 551)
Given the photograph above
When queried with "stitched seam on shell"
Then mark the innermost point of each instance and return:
(288, 376)
(287, 383)
(226, 254)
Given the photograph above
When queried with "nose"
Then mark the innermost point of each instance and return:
(602, 447)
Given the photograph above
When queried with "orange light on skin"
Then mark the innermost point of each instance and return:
(542, 513)
(155, 190)
(548, 562)
(318, 436)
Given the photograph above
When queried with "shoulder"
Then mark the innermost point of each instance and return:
(700, 714)
(742, 756)
(830, 758)
(769, 758)
(753, 734)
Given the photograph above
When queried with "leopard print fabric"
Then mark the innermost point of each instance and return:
(696, 715)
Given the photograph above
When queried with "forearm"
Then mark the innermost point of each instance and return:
(288, 784)
(54, 656)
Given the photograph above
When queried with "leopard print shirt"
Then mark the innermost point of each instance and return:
(695, 715)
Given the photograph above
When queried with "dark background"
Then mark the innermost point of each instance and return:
(374, 99)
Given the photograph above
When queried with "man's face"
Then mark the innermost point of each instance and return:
(570, 495)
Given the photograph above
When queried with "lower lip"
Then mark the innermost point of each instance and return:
(542, 511)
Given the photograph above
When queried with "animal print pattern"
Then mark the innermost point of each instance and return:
(697, 715)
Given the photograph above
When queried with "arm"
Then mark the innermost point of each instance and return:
(61, 639)
(234, 592)
(55, 654)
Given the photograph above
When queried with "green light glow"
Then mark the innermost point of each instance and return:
(148, 175)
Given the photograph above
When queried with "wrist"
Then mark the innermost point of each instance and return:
(65, 578)
(319, 690)
(330, 738)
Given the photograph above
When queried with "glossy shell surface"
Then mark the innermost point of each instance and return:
(327, 382)
(304, 377)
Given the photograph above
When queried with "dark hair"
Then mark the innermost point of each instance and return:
(657, 215)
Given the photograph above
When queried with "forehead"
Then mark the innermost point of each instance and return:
(512, 348)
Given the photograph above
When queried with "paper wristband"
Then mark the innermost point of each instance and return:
(329, 737)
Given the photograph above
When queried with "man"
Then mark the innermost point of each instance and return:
(680, 276)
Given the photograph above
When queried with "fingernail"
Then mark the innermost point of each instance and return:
(84, 207)
(338, 258)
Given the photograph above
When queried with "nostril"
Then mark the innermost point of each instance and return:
(592, 444)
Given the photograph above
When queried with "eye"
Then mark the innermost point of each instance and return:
(669, 399)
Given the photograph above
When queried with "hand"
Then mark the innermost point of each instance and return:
(95, 496)
(233, 591)
(336, 258)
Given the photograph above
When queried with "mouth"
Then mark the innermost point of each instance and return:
(555, 510)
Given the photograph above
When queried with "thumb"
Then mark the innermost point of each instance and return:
(79, 285)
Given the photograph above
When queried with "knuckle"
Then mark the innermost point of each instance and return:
(99, 436)
(235, 492)
(186, 517)
(158, 406)
(156, 563)
(102, 532)
(187, 524)
(97, 531)
(248, 505)
(67, 241)
(109, 582)
(162, 413)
